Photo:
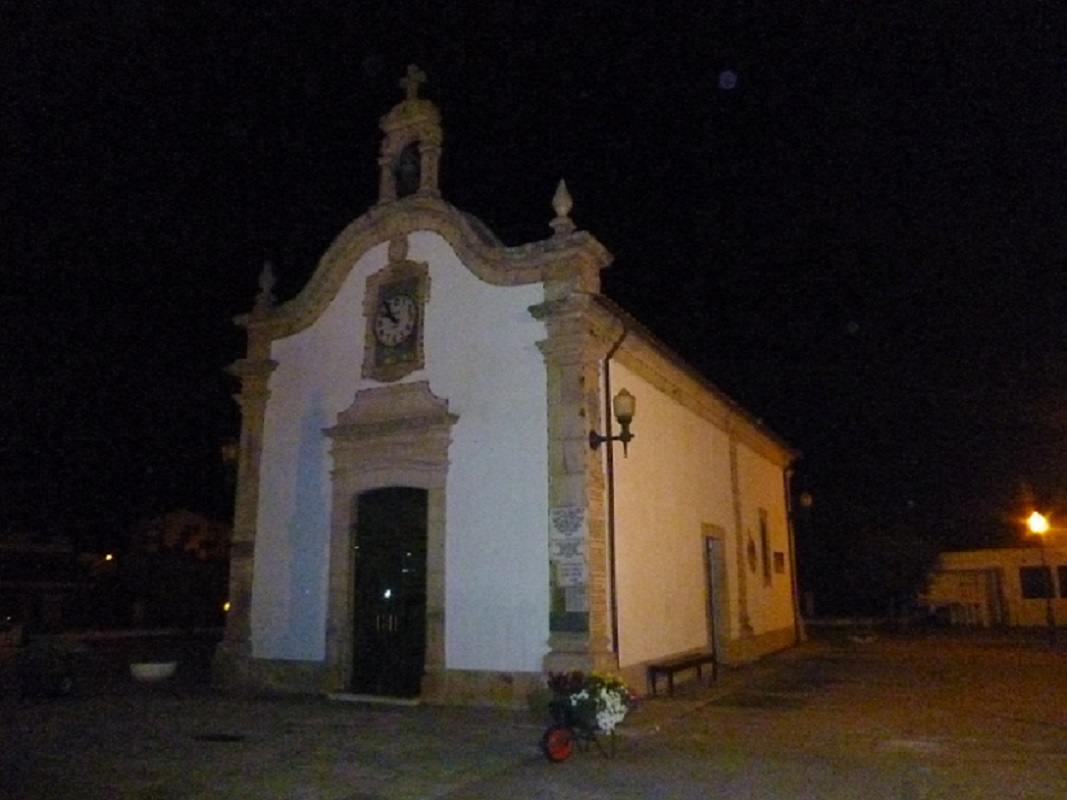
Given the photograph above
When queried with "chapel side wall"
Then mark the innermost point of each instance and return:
(687, 474)
(770, 584)
(481, 357)
(675, 481)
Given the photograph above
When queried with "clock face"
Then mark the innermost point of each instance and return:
(394, 305)
(396, 319)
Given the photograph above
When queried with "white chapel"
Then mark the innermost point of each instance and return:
(461, 467)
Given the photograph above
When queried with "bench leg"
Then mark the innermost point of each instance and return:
(653, 676)
(653, 682)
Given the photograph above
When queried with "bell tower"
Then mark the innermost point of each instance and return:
(411, 148)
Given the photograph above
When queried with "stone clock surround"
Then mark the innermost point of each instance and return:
(398, 269)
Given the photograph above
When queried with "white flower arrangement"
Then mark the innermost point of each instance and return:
(596, 697)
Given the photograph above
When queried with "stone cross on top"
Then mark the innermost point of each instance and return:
(410, 82)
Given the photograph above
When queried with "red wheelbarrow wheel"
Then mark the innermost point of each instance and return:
(558, 743)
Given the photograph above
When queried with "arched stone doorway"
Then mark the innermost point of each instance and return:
(395, 436)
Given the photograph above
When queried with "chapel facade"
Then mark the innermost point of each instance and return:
(433, 499)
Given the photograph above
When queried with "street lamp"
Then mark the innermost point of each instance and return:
(623, 405)
(1039, 527)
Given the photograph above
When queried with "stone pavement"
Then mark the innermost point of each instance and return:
(962, 717)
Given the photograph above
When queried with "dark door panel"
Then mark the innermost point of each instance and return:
(390, 612)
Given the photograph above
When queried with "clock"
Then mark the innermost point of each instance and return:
(394, 307)
(396, 319)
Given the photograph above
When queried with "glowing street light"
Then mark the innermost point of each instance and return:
(1039, 526)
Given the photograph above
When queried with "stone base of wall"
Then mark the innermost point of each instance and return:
(636, 678)
(229, 665)
(457, 687)
(751, 648)
(236, 671)
(735, 652)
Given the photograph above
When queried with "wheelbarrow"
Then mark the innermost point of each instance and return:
(573, 726)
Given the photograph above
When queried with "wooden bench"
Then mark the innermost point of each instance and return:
(669, 666)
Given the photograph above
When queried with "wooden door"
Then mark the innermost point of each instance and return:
(390, 592)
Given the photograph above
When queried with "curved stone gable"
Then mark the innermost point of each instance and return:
(547, 260)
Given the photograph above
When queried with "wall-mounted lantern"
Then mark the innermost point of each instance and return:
(623, 406)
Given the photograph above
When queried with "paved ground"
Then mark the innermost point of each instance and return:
(907, 718)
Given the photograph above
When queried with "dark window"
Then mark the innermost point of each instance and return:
(408, 171)
(1061, 576)
(1036, 582)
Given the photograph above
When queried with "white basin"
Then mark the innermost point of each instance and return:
(153, 671)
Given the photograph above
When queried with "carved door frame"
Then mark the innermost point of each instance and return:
(390, 436)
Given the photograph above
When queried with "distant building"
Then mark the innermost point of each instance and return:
(176, 570)
(182, 531)
(421, 509)
(43, 586)
(1008, 586)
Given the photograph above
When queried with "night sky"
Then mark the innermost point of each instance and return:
(862, 238)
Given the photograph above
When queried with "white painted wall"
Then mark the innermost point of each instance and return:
(481, 356)
(675, 482)
(770, 604)
(676, 478)
(317, 376)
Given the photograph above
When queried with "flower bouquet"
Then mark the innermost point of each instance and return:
(592, 702)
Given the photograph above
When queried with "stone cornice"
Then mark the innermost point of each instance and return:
(244, 368)
(575, 255)
(653, 361)
(389, 410)
(576, 323)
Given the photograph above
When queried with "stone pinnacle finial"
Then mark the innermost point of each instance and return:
(562, 203)
(410, 82)
(265, 298)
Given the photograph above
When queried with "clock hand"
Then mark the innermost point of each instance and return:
(388, 311)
